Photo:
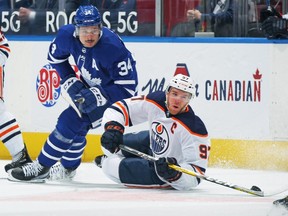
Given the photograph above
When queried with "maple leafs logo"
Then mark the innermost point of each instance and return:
(88, 78)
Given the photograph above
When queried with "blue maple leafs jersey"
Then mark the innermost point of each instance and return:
(108, 64)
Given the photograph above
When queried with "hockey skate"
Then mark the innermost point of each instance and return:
(60, 173)
(29, 172)
(282, 202)
(20, 159)
(99, 160)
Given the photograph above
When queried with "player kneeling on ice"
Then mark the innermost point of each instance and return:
(176, 136)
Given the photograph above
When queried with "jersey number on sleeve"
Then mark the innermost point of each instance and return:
(125, 67)
(204, 151)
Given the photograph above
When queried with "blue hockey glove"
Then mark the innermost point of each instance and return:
(113, 136)
(164, 171)
(71, 86)
(90, 99)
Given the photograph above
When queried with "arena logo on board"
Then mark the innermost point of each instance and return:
(235, 90)
(48, 86)
(49, 89)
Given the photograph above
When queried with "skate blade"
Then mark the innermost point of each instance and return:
(39, 179)
(28, 181)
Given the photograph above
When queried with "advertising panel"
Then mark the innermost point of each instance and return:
(241, 95)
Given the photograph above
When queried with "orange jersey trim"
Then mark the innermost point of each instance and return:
(5, 48)
(124, 111)
(197, 169)
(9, 130)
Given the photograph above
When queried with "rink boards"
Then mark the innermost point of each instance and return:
(241, 93)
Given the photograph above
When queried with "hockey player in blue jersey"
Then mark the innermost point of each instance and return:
(107, 74)
(177, 136)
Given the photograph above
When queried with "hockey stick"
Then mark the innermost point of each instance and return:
(254, 190)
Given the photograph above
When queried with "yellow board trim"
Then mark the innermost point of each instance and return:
(249, 154)
(246, 154)
(35, 142)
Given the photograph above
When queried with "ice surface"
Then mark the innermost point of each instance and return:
(91, 193)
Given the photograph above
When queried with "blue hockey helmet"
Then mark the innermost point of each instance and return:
(87, 15)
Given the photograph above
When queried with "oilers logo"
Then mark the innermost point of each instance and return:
(159, 137)
(48, 86)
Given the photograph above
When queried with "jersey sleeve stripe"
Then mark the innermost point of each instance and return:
(198, 169)
(53, 60)
(5, 47)
(156, 104)
(124, 111)
(5, 50)
(125, 82)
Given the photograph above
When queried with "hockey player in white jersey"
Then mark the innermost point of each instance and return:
(10, 133)
(176, 136)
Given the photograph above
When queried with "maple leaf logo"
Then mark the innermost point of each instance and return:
(90, 81)
(257, 75)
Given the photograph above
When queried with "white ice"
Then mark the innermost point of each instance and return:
(91, 193)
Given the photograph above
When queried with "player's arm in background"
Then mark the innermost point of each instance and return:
(4, 54)
(127, 112)
(4, 49)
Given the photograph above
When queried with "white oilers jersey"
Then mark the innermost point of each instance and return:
(183, 136)
(4, 49)
(4, 54)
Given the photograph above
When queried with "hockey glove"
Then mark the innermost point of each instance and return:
(164, 171)
(113, 136)
(71, 86)
(90, 99)
(274, 27)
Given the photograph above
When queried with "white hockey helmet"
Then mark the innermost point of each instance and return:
(182, 82)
